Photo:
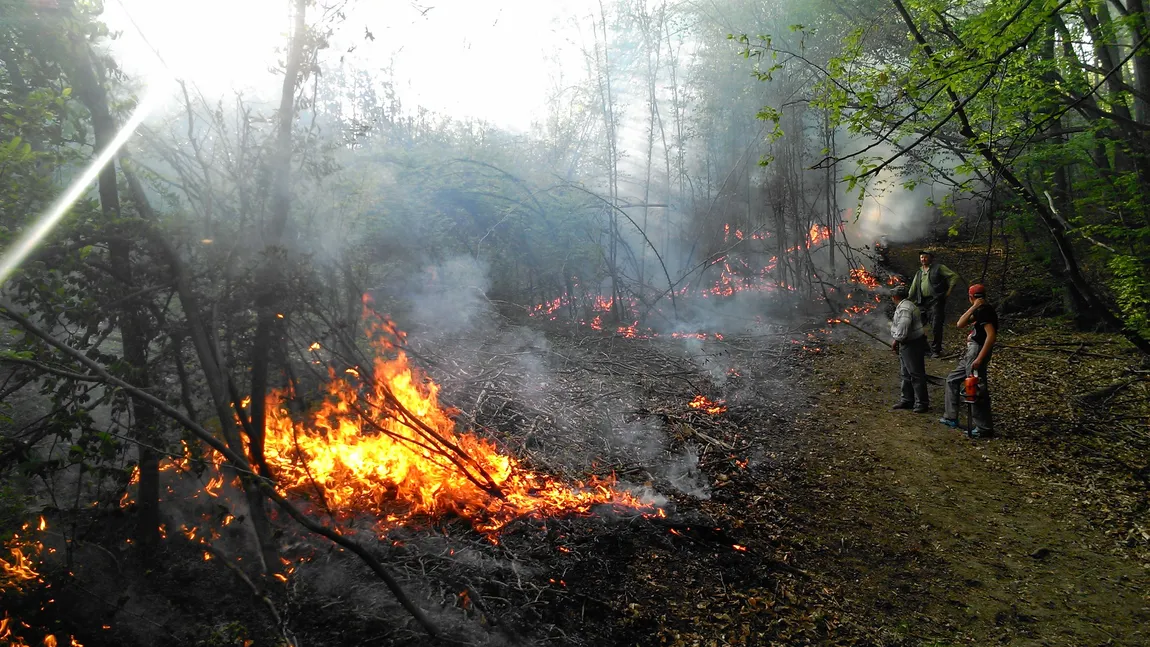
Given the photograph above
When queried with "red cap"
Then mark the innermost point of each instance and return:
(976, 290)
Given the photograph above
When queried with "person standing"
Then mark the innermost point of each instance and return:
(979, 346)
(910, 344)
(929, 289)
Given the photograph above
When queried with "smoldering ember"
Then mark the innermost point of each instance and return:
(593, 323)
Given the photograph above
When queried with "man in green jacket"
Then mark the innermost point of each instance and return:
(928, 290)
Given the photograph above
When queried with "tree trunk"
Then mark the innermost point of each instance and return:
(215, 376)
(132, 318)
(613, 170)
(268, 300)
(1139, 26)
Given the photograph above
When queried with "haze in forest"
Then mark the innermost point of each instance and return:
(420, 287)
(493, 60)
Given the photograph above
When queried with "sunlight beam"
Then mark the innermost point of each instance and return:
(15, 255)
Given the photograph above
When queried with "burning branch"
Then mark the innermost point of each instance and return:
(237, 461)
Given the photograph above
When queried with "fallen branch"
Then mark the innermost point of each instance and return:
(1112, 388)
(1054, 349)
(713, 441)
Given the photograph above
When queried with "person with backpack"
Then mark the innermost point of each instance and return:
(910, 344)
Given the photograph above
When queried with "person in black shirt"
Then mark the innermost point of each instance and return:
(979, 345)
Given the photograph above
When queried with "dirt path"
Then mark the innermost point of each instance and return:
(936, 539)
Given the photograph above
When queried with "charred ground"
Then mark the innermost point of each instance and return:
(804, 513)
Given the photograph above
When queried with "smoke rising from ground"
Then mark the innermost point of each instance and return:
(449, 318)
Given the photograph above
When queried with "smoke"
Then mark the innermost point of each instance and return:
(447, 298)
(714, 364)
(684, 475)
(587, 415)
(896, 203)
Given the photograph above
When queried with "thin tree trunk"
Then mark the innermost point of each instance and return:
(1139, 27)
(131, 318)
(268, 300)
(612, 162)
(215, 375)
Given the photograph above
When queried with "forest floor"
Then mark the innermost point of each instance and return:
(909, 533)
(931, 538)
(804, 512)
(901, 531)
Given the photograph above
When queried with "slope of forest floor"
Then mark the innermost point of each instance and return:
(931, 538)
(903, 531)
(1037, 537)
(800, 511)
(871, 526)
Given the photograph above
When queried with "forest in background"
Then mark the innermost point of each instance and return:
(710, 168)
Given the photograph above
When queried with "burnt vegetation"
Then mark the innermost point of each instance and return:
(321, 366)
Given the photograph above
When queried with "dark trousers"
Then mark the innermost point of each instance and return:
(933, 310)
(981, 409)
(912, 362)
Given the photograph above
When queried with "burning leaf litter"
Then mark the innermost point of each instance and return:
(381, 446)
(702, 403)
(18, 571)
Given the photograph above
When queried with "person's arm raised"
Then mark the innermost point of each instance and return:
(966, 316)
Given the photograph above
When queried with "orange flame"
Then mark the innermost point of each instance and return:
(6, 633)
(19, 569)
(818, 234)
(713, 408)
(861, 276)
(382, 445)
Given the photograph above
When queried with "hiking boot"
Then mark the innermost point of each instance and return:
(980, 433)
(902, 405)
(921, 409)
(949, 422)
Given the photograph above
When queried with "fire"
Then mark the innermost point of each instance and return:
(702, 403)
(382, 445)
(18, 570)
(727, 273)
(629, 332)
(6, 636)
(818, 234)
(863, 277)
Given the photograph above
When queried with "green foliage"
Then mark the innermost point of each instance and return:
(1131, 286)
(1059, 117)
